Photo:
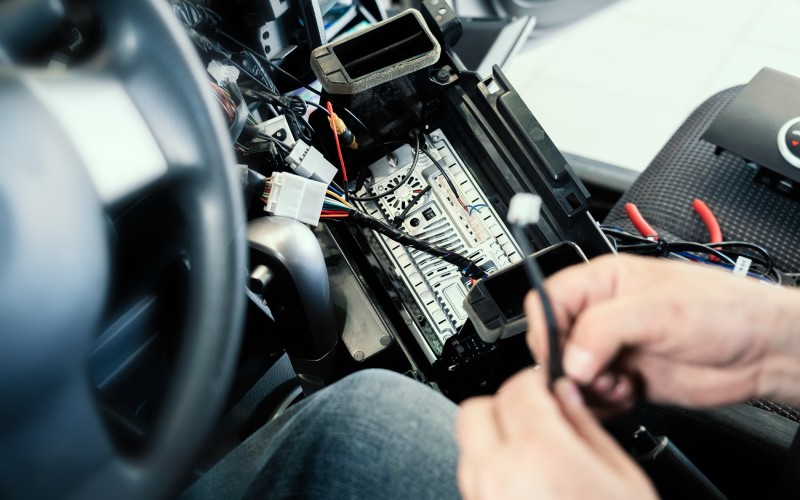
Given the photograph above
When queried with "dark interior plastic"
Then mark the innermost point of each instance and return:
(509, 287)
(399, 40)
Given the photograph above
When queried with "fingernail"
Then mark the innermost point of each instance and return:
(569, 392)
(603, 383)
(579, 363)
(621, 389)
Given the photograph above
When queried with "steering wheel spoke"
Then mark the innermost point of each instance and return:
(59, 447)
(136, 123)
(114, 142)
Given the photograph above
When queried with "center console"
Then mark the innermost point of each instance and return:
(478, 146)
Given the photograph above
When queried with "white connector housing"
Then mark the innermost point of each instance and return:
(277, 128)
(524, 209)
(222, 72)
(295, 197)
(307, 162)
(742, 266)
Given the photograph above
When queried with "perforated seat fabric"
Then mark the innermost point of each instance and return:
(687, 168)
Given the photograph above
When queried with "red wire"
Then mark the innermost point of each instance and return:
(705, 213)
(338, 146)
(334, 214)
(638, 221)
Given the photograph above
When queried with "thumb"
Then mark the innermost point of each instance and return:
(586, 425)
(605, 328)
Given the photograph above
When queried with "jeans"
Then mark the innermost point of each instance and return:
(374, 434)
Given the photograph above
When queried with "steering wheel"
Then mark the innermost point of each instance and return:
(79, 150)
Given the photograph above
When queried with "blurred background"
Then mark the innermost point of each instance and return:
(612, 86)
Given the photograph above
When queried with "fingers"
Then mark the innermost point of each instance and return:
(609, 395)
(586, 425)
(478, 436)
(489, 430)
(571, 291)
(524, 405)
(524, 439)
(476, 426)
(604, 309)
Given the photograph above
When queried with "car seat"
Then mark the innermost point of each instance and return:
(741, 448)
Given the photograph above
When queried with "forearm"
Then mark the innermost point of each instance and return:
(780, 375)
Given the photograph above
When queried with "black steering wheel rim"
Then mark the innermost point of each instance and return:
(147, 62)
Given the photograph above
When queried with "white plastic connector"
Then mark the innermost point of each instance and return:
(222, 72)
(277, 128)
(742, 266)
(524, 209)
(295, 197)
(307, 162)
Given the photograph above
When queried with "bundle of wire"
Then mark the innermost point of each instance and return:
(726, 252)
(336, 207)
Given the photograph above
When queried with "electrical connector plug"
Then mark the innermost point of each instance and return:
(345, 135)
(307, 162)
(292, 196)
(222, 72)
(278, 129)
(524, 209)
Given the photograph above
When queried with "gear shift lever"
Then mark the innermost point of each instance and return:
(295, 286)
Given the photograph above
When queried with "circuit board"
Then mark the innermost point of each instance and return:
(450, 211)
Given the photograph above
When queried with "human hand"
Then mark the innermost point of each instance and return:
(525, 442)
(678, 333)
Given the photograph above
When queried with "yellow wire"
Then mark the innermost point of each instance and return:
(340, 199)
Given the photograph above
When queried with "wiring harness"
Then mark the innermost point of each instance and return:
(741, 257)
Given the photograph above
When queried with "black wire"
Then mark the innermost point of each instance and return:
(337, 187)
(767, 261)
(663, 248)
(295, 106)
(242, 111)
(193, 15)
(555, 368)
(444, 174)
(275, 141)
(627, 236)
(318, 106)
(466, 266)
(259, 70)
(284, 101)
(307, 125)
(639, 246)
(299, 82)
(383, 145)
(645, 246)
(699, 248)
(402, 182)
(400, 218)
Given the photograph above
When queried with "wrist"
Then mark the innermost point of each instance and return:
(780, 374)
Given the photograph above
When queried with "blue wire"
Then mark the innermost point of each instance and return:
(618, 229)
(336, 191)
(476, 207)
(729, 267)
